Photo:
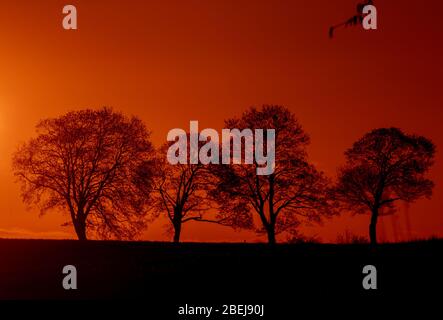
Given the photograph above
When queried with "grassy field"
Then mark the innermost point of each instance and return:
(32, 269)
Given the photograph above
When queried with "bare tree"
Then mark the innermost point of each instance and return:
(179, 191)
(83, 162)
(384, 166)
(293, 193)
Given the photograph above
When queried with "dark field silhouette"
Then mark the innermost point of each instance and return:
(190, 272)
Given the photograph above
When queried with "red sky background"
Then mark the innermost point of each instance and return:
(170, 62)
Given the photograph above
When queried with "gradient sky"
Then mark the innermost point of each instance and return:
(170, 62)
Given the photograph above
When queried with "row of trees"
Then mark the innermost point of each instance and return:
(100, 167)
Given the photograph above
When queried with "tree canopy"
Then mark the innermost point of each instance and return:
(294, 192)
(384, 166)
(84, 163)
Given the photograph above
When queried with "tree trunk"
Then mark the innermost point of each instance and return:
(271, 235)
(177, 231)
(177, 224)
(80, 230)
(373, 226)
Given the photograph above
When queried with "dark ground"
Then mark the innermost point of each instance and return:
(162, 276)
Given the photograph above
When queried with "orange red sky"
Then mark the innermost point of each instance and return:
(170, 62)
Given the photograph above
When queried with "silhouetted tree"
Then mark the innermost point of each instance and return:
(384, 166)
(179, 190)
(295, 191)
(83, 162)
